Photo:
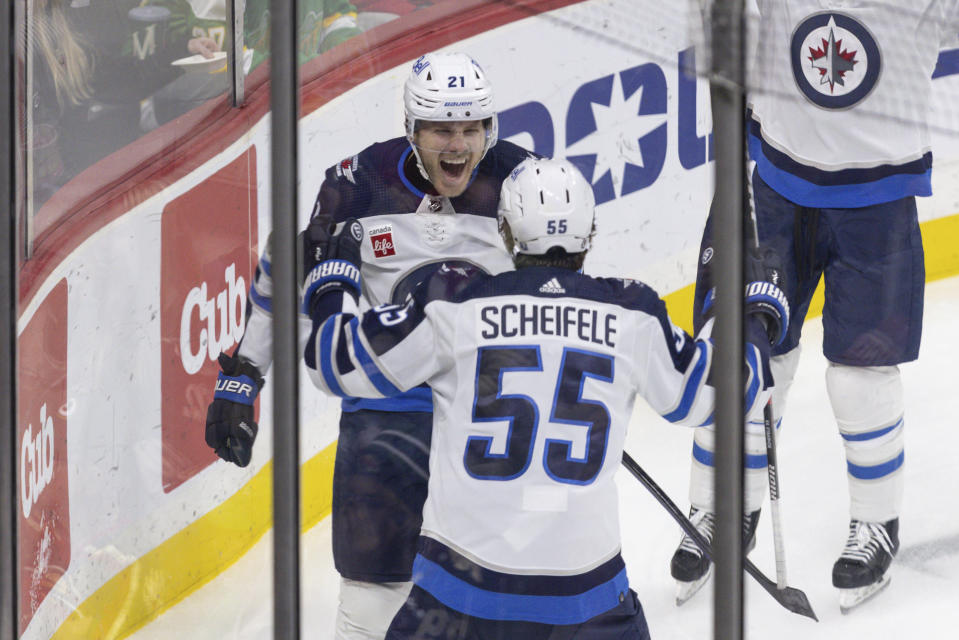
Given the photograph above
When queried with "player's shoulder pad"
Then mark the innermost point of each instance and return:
(451, 282)
(627, 293)
(371, 162)
(503, 158)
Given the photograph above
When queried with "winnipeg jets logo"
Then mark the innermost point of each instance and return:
(346, 168)
(832, 60)
(836, 61)
(420, 64)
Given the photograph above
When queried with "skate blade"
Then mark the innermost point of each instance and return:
(849, 599)
(686, 590)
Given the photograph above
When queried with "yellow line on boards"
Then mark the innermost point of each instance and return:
(195, 555)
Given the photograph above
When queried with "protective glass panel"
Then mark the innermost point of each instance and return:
(144, 205)
(137, 245)
(851, 134)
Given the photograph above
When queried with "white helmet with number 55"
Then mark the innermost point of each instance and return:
(449, 87)
(546, 203)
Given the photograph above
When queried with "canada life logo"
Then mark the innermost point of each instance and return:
(381, 239)
(42, 478)
(208, 257)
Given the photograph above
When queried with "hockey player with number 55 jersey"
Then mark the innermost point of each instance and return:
(839, 98)
(533, 375)
(426, 199)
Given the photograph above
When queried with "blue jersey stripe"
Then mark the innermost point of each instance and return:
(326, 353)
(864, 190)
(870, 435)
(471, 600)
(376, 376)
(872, 472)
(416, 400)
(691, 388)
(703, 456)
(752, 359)
(402, 174)
(261, 300)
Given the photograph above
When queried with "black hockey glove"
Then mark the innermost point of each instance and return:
(331, 262)
(764, 299)
(230, 428)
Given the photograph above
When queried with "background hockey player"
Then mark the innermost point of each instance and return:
(427, 198)
(838, 133)
(534, 374)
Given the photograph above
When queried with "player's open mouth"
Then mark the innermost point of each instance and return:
(453, 168)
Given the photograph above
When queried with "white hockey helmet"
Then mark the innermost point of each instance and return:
(449, 87)
(546, 203)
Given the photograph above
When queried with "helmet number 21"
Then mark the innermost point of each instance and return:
(455, 81)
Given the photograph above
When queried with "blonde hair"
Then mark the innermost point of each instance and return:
(70, 64)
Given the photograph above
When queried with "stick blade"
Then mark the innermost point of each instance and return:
(796, 601)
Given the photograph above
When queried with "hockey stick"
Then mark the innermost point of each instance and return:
(792, 599)
(772, 467)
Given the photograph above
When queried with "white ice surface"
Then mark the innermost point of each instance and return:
(921, 602)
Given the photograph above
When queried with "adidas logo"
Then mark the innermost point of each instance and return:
(553, 286)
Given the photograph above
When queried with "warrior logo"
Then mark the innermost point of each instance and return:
(836, 62)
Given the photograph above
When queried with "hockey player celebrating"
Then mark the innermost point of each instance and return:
(425, 199)
(838, 133)
(533, 373)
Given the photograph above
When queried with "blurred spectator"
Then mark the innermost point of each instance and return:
(398, 7)
(96, 65)
(198, 28)
(92, 62)
(373, 13)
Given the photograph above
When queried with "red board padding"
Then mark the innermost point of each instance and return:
(208, 254)
(43, 411)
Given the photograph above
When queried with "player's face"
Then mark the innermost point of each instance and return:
(449, 152)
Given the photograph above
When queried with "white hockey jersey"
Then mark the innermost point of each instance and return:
(534, 374)
(408, 233)
(839, 97)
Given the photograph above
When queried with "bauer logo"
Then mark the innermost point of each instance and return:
(208, 257)
(836, 62)
(42, 469)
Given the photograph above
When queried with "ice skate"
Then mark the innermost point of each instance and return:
(689, 566)
(862, 570)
